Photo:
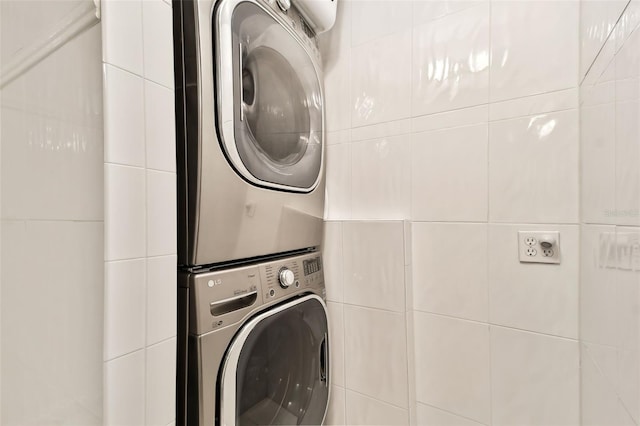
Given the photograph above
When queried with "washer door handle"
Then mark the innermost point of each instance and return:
(324, 360)
(231, 304)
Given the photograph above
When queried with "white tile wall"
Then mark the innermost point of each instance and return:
(387, 193)
(52, 221)
(362, 410)
(140, 206)
(124, 328)
(160, 383)
(381, 80)
(450, 274)
(431, 416)
(336, 412)
(534, 297)
(374, 264)
(384, 374)
(533, 172)
(125, 212)
(336, 324)
(610, 284)
(451, 61)
(534, 47)
(124, 114)
(486, 91)
(534, 379)
(450, 175)
(452, 365)
(124, 384)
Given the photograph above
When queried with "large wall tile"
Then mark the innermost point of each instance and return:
(534, 47)
(600, 404)
(338, 183)
(125, 211)
(124, 117)
(451, 61)
(628, 162)
(381, 178)
(530, 296)
(336, 411)
(335, 46)
(124, 399)
(450, 269)
(161, 213)
(52, 144)
(333, 266)
(534, 379)
(537, 104)
(431, 416)
(160, 383)
(597, 21)
(598, 290)
(122, 34)
(161, 298)
(362, 410)
(373, 19)
(374, 264)
(429, 10)
(379, 337)
(533, 169)
(450, 175)
(52, 321)
(160, 131)
(124, 316)
(157, 27)
(381, 80)
(336, 323)
(452, 365)
(598, 162)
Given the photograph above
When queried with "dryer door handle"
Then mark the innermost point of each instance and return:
(240, 79)
(324, 360)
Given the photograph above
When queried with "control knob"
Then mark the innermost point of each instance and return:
(286, 277)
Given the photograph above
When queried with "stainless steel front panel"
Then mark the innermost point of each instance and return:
(211, 336)
(224, 215)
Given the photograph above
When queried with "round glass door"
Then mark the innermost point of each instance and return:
(277, 103)
(281, 375)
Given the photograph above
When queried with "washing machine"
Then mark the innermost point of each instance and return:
(258, 345)
(250, 127)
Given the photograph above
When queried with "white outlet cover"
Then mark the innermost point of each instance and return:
(530, 248)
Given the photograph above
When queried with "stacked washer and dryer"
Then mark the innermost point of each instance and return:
(253, 343)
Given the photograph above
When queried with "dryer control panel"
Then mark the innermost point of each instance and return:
(222, 298)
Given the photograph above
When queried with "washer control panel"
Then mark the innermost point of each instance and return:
(226, 296)
(282, 277)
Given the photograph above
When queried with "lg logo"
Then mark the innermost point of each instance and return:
(213, 283)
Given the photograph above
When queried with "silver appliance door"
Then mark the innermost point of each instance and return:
(276, 370)
(271, 116)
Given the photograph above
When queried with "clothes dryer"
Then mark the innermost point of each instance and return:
(250, 128)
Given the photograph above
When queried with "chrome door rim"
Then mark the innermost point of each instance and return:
(224, 47)
(230, 363)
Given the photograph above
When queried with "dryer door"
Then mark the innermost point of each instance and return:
(269, 99)
(276, 370)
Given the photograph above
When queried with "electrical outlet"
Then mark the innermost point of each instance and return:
(539, 246)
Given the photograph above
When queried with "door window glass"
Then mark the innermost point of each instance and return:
(277, 101)
(281, 376)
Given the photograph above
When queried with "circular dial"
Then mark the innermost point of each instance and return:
(286, 277)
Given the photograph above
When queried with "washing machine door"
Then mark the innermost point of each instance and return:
(276, 371)
(269, 98)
